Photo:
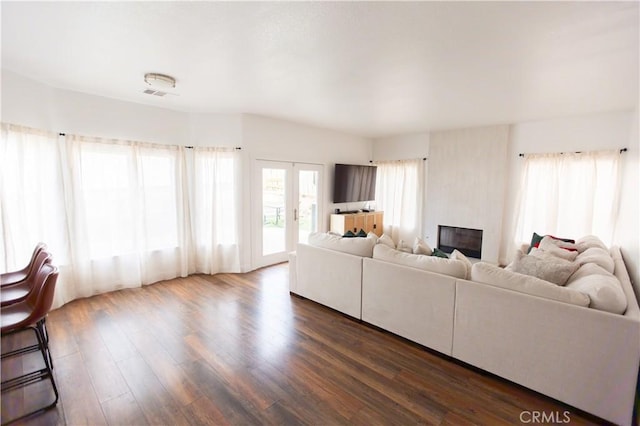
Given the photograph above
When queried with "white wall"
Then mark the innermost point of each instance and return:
(402, 147)
(215, 129)
(33, 104)
(466, 184)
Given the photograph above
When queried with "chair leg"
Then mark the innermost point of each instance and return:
(42, 328)
(35, 376)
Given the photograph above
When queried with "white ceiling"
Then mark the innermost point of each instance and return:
(368, 68)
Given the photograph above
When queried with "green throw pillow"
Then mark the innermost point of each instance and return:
(439, 253)
(349, 234)
(535, 241)
(361, 233)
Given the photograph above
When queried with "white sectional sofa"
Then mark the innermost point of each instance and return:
(582, 356)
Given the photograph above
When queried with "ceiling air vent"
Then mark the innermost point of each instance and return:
(154, 92)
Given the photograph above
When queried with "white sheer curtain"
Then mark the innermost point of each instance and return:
(569, 195)
(216, 210)
(399, 191)
(116, 214)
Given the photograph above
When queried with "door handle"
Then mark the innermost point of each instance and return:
(295, 215)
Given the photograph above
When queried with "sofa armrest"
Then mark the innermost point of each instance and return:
(411, 303)
(330, 277)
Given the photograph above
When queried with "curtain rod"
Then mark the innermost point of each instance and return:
(576, 152)
(423, 159)
(237, 148)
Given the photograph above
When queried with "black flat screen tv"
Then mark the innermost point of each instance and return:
(354, 183)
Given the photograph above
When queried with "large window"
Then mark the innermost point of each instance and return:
(116, 213)
(572, 194)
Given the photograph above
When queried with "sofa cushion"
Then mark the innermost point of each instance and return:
(543, 266)
(559, 248)
(587, 269)
(493, 275)
(387, 241)
(589, 241)
(597, 255)
(604, 291)
(356, 246)
(454, 268)
(420, 246)
(456, 255)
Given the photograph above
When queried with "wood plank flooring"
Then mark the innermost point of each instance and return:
(239, 349)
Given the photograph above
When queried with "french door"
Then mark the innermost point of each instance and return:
(287, 206)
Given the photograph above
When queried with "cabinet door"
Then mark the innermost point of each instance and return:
(358, 223)
(374, 223)
(348, 223)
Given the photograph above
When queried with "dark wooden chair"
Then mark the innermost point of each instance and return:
(26, 315)
(11, 278)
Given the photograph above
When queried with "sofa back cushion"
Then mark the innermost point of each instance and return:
(454, 268)
(493, 275)
(597, 255)
(357, 246)
(604, 291)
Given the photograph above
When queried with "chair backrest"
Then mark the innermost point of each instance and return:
(41, 258)
(39, 248)
(40, 298)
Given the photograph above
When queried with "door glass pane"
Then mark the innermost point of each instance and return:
(273, 211)
(307, 204)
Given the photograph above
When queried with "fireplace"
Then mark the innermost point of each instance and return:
(465, 240)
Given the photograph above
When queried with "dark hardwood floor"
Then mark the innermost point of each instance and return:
(238, 349)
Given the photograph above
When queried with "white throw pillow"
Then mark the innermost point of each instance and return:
(605, 292)
(493, 275)
(597, 255)
(356, 246)
(387, 241)
(402, 246)
(544, 266)
(558, 248)
(440, 265)
(456, 255)
(373, 237)
(589, 241)
(420, 246)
